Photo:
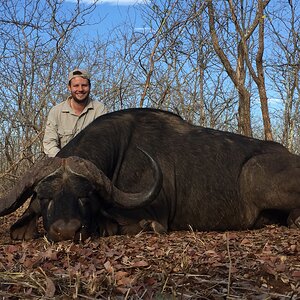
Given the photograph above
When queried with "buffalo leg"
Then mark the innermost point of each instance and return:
(25, 228)
(269, 217)
(271, 182)
(293, 219)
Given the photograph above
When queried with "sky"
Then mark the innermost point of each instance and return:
(114, 12)
(113, 2)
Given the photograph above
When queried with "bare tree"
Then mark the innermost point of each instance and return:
(243, 31)
(284, 68)
(173, 53)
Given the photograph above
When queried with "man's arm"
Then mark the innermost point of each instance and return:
(51, 142)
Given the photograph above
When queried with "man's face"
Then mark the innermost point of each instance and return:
(79, 88)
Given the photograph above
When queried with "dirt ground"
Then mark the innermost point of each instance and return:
(258, 264)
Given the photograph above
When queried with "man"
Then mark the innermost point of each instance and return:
(68, 118)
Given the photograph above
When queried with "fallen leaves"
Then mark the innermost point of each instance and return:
(188, 265)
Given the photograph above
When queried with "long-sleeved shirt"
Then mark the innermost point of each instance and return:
(63, 124)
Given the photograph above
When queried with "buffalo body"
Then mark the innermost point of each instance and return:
(147, 169)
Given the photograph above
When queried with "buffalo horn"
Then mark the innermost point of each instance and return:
(111, 193)
(24, 188)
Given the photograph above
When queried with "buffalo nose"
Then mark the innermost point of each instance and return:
(62, 230)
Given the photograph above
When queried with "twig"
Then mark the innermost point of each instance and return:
(230, 265)
(165, 284)
(127, 294)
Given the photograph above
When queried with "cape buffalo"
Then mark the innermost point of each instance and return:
(148, 169)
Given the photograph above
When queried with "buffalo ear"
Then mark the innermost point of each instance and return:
(24, 188)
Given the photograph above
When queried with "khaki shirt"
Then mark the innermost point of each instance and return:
(63, 124)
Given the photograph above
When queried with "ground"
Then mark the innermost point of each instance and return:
(258, 264)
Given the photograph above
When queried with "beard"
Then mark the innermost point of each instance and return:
(80, 97)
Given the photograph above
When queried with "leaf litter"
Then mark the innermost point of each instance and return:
(257, 264)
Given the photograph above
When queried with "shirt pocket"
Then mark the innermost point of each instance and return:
(65, 136)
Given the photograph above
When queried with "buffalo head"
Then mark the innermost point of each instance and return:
(72, 195)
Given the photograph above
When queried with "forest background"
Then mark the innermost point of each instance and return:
(226, 64)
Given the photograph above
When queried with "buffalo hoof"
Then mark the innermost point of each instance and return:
(149, 225)
(293, 220)
(24, 229)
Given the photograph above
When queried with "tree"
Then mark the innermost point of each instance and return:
(284, 69)
(173, 53)
(244, 27)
